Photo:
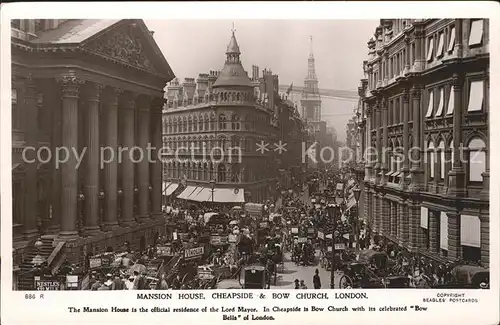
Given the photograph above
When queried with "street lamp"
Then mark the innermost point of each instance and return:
(357, 193)
(212, 186)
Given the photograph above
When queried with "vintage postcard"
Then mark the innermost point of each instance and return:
(291, 163)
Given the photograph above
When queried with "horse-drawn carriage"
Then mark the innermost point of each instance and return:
(468, 277)
(368, 271)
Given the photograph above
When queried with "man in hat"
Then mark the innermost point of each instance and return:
(302, 285)
(297, 284)
(118, 283)
(317, 280)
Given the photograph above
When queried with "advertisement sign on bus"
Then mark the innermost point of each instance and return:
(192, 253)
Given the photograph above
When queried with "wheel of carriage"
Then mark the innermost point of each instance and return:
(345, 282)
(183, 281)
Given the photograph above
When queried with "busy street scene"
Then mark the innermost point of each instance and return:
(242, 172)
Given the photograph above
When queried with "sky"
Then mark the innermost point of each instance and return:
(339, 46)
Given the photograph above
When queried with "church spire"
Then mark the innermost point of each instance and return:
(311, 54)
(233, 50)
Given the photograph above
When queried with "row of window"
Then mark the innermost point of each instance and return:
(475, 160)
(470, 234)
(437, 96)
(208, 123)
(222, 143)
(439, 161)
(440, 103)
(437, 45)
(220, 97)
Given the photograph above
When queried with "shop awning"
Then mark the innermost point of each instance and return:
(187, 192)
(203, 194)
(470, 231)
(227, 195)
(170, 189)
(424, 217)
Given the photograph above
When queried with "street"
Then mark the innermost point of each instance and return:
(292, 271)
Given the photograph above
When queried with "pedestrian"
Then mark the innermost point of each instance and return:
(129, 285)
(302, 285)
(316, 280)
(297, 285)
(118, 283)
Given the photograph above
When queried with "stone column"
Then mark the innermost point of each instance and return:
(368, 146)
(128, 171)
(143, 168)
(414, 225)
(485, 240)
(406, 148)
(433, 232)
(378, 125)
(485, 193)
(156, 166)
(53, 97)
(69, 217)
(407, 53)
(416, 169)
(110, 106)
(31, 177)
(385, 146)
(454, 241)
(456, 176)
(92, 189)
(405, 223)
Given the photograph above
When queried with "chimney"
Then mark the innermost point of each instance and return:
(202, 85)
(152, 32)
(189, 87)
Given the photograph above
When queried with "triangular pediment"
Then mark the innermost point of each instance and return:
(129, 41)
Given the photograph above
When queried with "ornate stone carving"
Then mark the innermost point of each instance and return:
(406, 96)
(125, 45)
(416, 92)
(457, 81)
(70, 85)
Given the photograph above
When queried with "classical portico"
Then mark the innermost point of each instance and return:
(95, 88)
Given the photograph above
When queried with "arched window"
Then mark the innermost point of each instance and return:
(432, 159)
(442, 159)
(207, 123)
(477, 159)
(235, 122)
(213, 120)
(222, 122)
(221, 173)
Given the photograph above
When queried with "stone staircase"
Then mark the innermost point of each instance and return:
(25, 280)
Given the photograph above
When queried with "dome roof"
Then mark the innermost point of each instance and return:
(233, 73)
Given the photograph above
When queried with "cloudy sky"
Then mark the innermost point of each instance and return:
(198, 46)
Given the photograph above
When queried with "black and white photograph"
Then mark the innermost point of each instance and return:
(250, 154)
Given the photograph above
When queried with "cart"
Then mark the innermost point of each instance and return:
(397, 282)
(256, 277)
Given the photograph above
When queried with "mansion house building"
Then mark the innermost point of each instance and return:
(211, 128)
(426, 86)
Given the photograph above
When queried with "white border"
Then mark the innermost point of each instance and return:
(52, 310)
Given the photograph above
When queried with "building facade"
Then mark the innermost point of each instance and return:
(84, 85)
(213, 128)
(425, 111)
